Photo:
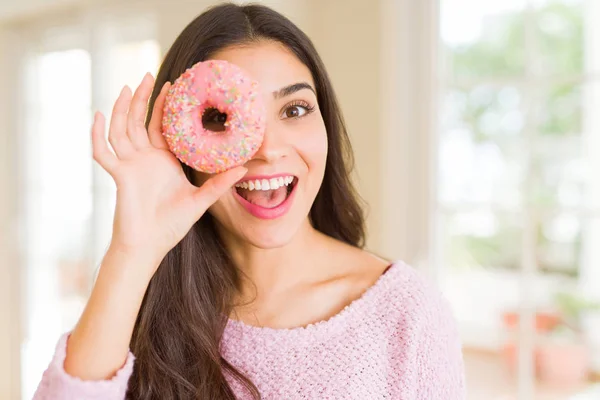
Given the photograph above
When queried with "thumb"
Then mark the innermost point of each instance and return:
(211, 190)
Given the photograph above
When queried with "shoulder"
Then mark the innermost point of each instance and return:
(404, 282)
(412, 300)
(422, 331)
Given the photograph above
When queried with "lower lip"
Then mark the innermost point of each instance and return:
(267, 213)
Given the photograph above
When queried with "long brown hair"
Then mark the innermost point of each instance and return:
(179, 328)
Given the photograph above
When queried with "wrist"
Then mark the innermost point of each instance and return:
(137, 254)
(135, 263)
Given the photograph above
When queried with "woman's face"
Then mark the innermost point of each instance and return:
(294, 149)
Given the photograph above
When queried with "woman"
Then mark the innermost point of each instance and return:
(218, 299)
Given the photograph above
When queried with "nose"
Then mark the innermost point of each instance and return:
(274, 146)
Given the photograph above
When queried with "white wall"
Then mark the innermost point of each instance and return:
(350, 49)
(10, 332)
(17, 9)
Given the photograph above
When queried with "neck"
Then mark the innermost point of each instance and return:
(268, 271)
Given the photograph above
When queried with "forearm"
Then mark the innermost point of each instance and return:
(99, 344)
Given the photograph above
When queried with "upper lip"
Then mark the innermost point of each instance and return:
(267, 177)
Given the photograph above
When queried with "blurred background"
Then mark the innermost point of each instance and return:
(476, 126)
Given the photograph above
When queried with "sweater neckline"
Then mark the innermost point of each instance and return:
(332, 323)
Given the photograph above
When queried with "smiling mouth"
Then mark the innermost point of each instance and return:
(267, 193)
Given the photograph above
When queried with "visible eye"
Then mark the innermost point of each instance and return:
(297, 110)
(214, 120)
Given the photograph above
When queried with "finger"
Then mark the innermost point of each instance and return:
(100, 149)
(137, 113)
(117, 135)
(155, 126)
(216, 186)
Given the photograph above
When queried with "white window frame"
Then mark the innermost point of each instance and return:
(94, 26)
(529, 276)
(10, 288)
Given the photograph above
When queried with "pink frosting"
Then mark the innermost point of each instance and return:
(223, 86)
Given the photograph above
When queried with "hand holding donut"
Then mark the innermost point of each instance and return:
(156, 204)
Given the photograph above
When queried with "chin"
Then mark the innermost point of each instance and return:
(241, 223)
(272, 235)
(267, 239)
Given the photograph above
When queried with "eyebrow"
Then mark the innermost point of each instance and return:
(293, 88)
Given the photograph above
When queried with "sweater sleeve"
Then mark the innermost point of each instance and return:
(440, 364)
(57, 384)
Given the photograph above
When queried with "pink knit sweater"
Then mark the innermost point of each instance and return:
(397, 341)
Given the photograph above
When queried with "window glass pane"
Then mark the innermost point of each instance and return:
(519, 128)
(487, 111)
(129, 61)
(58, 203)
(560, 174)
(483, 39)
(482, 238)
(559, 110)
(560, 241)
(70, 200)
(479, 173)
(590, 145)
(481, 145)
(560, 166)
(559, 37)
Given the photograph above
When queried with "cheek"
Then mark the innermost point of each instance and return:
(313, 144)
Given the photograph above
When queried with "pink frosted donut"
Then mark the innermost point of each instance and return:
(214, 89)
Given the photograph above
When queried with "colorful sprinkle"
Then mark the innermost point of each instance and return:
(226, 87)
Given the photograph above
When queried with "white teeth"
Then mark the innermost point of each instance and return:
(266, 184)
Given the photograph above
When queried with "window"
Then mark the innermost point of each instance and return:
(69, 201)
(517, 202)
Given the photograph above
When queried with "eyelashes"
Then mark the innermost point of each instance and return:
(297, 109)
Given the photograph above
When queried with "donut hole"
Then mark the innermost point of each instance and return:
(214, 120)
